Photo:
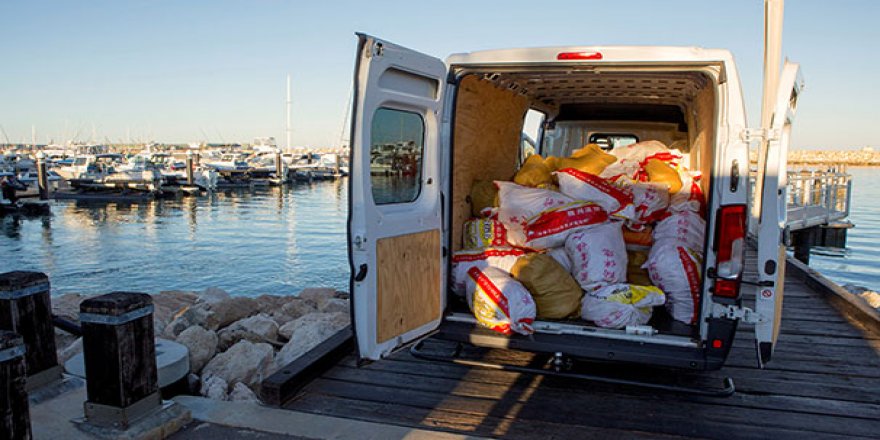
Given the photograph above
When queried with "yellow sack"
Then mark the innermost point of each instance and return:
(534, 172)
(634, 272)
(557, 295)
(589, 159)
(660, 172)
(484, 194)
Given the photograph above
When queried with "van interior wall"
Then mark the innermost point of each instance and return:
(486, 141)
(701, 121)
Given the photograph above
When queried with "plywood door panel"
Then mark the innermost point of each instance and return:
(486, 141)
(408, 283)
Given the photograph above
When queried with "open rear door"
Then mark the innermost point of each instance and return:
(395, 225)
(773, 208)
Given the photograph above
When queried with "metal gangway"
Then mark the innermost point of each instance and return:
(818, 198)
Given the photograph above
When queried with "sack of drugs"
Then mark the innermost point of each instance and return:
(660, 172)
(483, 195)
(589, 159)
(676, 270)
(499, 302)
(690, 197)
(620, 305)
(550, 228)
(592, 188)
(556, 294)
(685, 228)
(481, 233)
(462, 261)
(534, 173)
(598, 255)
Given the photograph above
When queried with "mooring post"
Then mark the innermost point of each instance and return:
(26, 309)
(42, 176)
(120, 358)
(15, 419)
(190, 172)
(279, 165)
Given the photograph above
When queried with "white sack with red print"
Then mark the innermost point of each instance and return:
(589, 187)
(462, 261)
(676, 270)
(598, 255)
(499, 302)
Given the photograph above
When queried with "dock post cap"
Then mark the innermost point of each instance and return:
(19, 278)
(116, 303)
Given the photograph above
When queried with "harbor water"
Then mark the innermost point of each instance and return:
(272, 240)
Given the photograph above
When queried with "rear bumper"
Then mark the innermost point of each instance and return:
(584, 347)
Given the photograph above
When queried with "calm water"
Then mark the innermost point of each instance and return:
(861, 264)
(248, 242)
(270, 240)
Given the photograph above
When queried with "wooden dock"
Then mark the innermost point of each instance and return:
(823, 382)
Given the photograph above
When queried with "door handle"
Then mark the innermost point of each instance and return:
(362, 273)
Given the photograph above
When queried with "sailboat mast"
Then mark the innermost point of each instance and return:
(287, 119)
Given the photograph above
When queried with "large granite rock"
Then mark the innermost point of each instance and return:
(241, 392)
(202, 345)
(257, 328)
(244, 362)
(307, 332)
(212, 315)
(214, 387)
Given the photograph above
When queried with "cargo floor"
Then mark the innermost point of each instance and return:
(823, 382)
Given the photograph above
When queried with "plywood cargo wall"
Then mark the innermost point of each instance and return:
(486, 141)
(703, 133)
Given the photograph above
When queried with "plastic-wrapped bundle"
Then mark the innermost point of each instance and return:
(556, 294)
(598, 255)
(463, 261)
(592, 188)
(685, 228)
(676, 270)
(620, 305)
(481, 233)
(499, 302)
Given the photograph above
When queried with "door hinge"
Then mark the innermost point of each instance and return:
(759, 134)
(360, 242)
(744, 314)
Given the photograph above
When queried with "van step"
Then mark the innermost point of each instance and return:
(561, 363)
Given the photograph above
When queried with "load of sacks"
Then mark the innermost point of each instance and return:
(594, 236)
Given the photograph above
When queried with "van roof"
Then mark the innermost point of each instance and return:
(597, 54)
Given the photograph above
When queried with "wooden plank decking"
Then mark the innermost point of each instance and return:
(824, 382)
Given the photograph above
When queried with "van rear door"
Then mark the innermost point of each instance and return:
(395, 225)
(772, 221)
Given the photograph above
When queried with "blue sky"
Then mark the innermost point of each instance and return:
(183, 71)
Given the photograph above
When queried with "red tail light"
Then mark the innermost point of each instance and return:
(731, 242)
(579, 56)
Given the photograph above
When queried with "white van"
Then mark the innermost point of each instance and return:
(462, 120)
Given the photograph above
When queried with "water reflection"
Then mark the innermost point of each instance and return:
(249, 242)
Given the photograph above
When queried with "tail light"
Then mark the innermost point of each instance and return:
(730, 244)
(563, 56)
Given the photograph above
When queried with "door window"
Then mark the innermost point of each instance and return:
(397, 142)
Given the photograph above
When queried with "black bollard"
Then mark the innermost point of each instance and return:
(15, 420)
(26, 309)
(42, 176)
(120, 358)
(189, 168)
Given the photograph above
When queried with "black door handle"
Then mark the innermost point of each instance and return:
(362, 273)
